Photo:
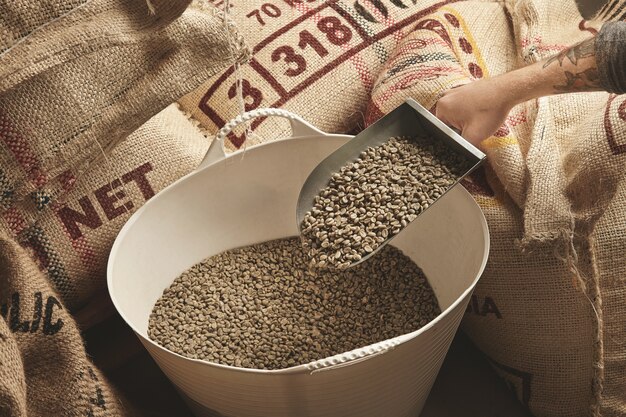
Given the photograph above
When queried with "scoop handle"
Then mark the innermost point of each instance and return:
(299, 127)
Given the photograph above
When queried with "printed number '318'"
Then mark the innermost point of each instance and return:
(336, 32)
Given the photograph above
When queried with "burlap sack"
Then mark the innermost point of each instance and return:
(549, 308)
(44, 370)
(76, 78)
(72, 236)
(316, 58)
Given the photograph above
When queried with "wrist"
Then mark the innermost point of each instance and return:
(507, 90)
(523, 84)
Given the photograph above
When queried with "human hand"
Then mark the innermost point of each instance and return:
(477, 109)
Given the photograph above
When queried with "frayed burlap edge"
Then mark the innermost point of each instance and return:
(577, 252)
(573, 244)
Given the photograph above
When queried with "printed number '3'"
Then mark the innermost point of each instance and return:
(252, 96)
(290, 57)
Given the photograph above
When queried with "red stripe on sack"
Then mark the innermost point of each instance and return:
(511, 121)
(84, 250)
(14, 219)
(517, 118)
(477, 184)
(415, 76)
(20, 148)
(436, 27)
(67, 180)
(35, 242)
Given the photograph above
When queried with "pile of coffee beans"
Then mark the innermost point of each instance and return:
(376, 196)
(261, 307)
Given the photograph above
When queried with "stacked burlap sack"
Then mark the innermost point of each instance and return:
(550, 309)
(76, 78)
(316, 58)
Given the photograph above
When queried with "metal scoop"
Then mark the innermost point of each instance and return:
(408, 119)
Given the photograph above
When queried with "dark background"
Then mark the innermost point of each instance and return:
(589, 7)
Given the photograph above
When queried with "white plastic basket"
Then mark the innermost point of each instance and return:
(236, 200)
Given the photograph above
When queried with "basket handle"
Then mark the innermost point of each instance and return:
(354, 356)
(299, 127)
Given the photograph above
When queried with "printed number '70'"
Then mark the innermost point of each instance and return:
(267, 9)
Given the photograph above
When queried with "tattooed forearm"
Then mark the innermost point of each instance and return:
(576, 70)
(585, 49)
(587, 80)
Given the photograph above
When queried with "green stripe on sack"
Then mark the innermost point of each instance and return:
(49, 261)
(6, 190)
(381, 52)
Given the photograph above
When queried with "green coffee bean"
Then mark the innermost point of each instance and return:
(261, 307)
(377, 195)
